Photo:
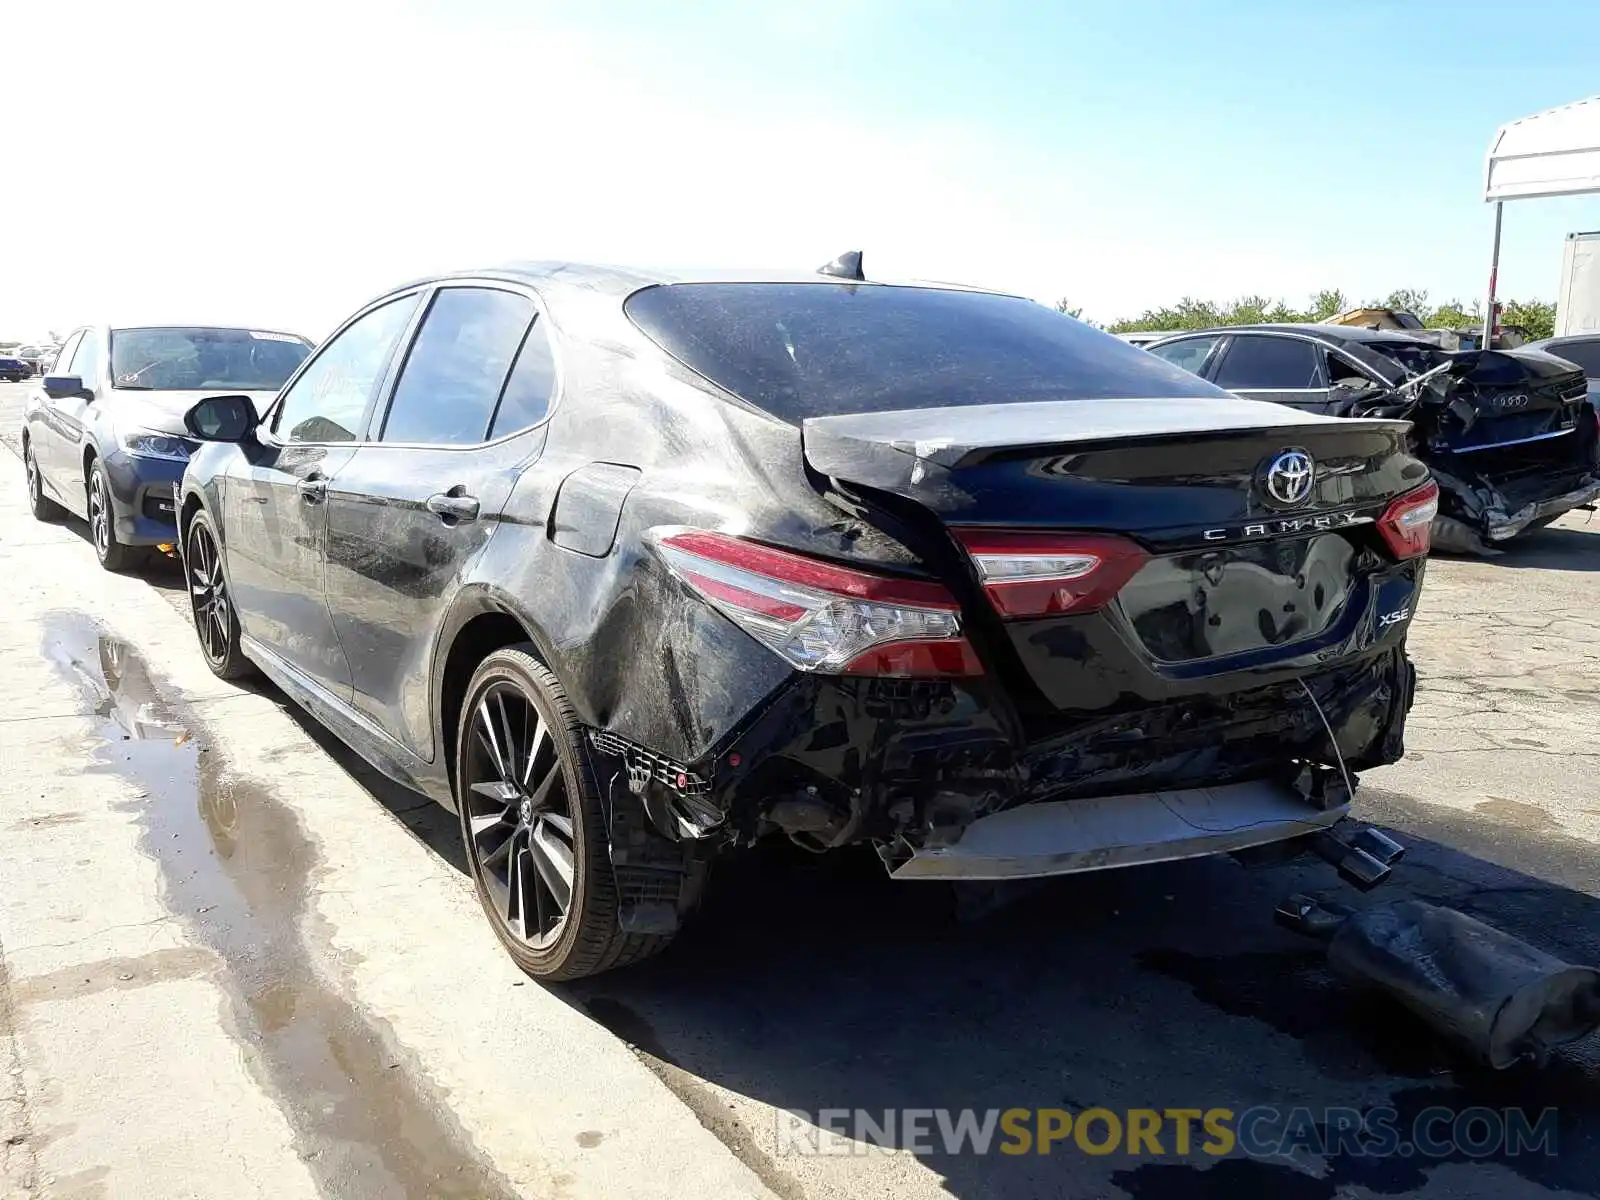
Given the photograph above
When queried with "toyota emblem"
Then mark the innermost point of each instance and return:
(1290, 476)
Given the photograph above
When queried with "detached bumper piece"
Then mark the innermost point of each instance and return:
(1069, 836)
(1499, 526)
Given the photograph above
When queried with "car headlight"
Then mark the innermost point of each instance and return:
(142, 443)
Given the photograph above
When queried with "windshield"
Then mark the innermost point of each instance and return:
(202, 359)
(799, 350)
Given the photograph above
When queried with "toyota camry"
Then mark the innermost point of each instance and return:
(631, 570)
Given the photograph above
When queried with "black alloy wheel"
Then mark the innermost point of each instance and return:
(113, 555)
(532, 827)
(41, 506)
(216, 623)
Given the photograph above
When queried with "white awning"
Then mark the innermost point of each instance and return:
(1554, 153)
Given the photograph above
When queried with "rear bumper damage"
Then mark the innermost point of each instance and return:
(1070, 836)
(1499, 526)
(941, 779)
(1475, 513)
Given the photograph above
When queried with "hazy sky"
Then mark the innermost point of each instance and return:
(280, 163)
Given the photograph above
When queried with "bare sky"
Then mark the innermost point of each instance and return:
(281, 163)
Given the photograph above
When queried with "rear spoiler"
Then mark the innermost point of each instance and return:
(956, 437)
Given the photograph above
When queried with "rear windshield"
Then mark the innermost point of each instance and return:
(799, 350)
(1413, 357)
(204, 359)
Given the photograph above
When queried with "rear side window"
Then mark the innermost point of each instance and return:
(1271, 362)
(527, 395)
(1415, 357)
(457, 366)
(1585, 354)
(1191, 355)
(799, 350)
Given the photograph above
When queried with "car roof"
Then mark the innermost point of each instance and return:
(1337, 334)
(165, 323)
(1588, 335)
(622, 281)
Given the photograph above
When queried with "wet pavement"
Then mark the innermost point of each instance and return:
(236, 864)
(809, 983)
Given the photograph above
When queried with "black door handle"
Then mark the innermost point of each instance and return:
(313, 488)
(454, 507)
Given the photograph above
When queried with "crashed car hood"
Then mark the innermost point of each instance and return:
(162, 411)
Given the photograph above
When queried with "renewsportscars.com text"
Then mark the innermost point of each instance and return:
(1262, 1131)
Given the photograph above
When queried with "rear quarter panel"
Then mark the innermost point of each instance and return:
(636, 655)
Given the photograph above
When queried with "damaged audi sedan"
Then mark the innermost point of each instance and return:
(633, 570)
(1508, 434)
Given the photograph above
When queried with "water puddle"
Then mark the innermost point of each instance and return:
(237, 865)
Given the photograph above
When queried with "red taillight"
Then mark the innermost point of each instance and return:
(1407, 524)
(1041, 574)
(823, 617)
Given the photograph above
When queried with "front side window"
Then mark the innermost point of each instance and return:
(457, 367)
(801, 350)
(69, 348)
(328, 401)
(1279, 363)
(1191, 355)
(204, 359)
(86, 358)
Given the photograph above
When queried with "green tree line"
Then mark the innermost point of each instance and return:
(1538, 317)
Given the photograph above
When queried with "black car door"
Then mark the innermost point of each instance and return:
(276, 516)
(1282, 368)
(415, 505)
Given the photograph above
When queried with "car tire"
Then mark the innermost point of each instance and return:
(216, 622)
(113, 555)
(41, 506)
(531, 821)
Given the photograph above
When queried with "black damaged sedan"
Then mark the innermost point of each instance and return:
(633, 570)
(1508, 434)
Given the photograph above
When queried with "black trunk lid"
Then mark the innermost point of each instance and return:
(1237, 583)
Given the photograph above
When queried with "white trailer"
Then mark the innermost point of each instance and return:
(1578, 300)
(1553, 153)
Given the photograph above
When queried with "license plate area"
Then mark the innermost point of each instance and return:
(1214, 603)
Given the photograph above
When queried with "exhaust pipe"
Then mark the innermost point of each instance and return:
(1363, 855)
(1493, 994)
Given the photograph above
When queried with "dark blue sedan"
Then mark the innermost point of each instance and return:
(103, 434)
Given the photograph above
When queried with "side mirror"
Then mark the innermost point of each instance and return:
(66, 387)
(221, 419)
